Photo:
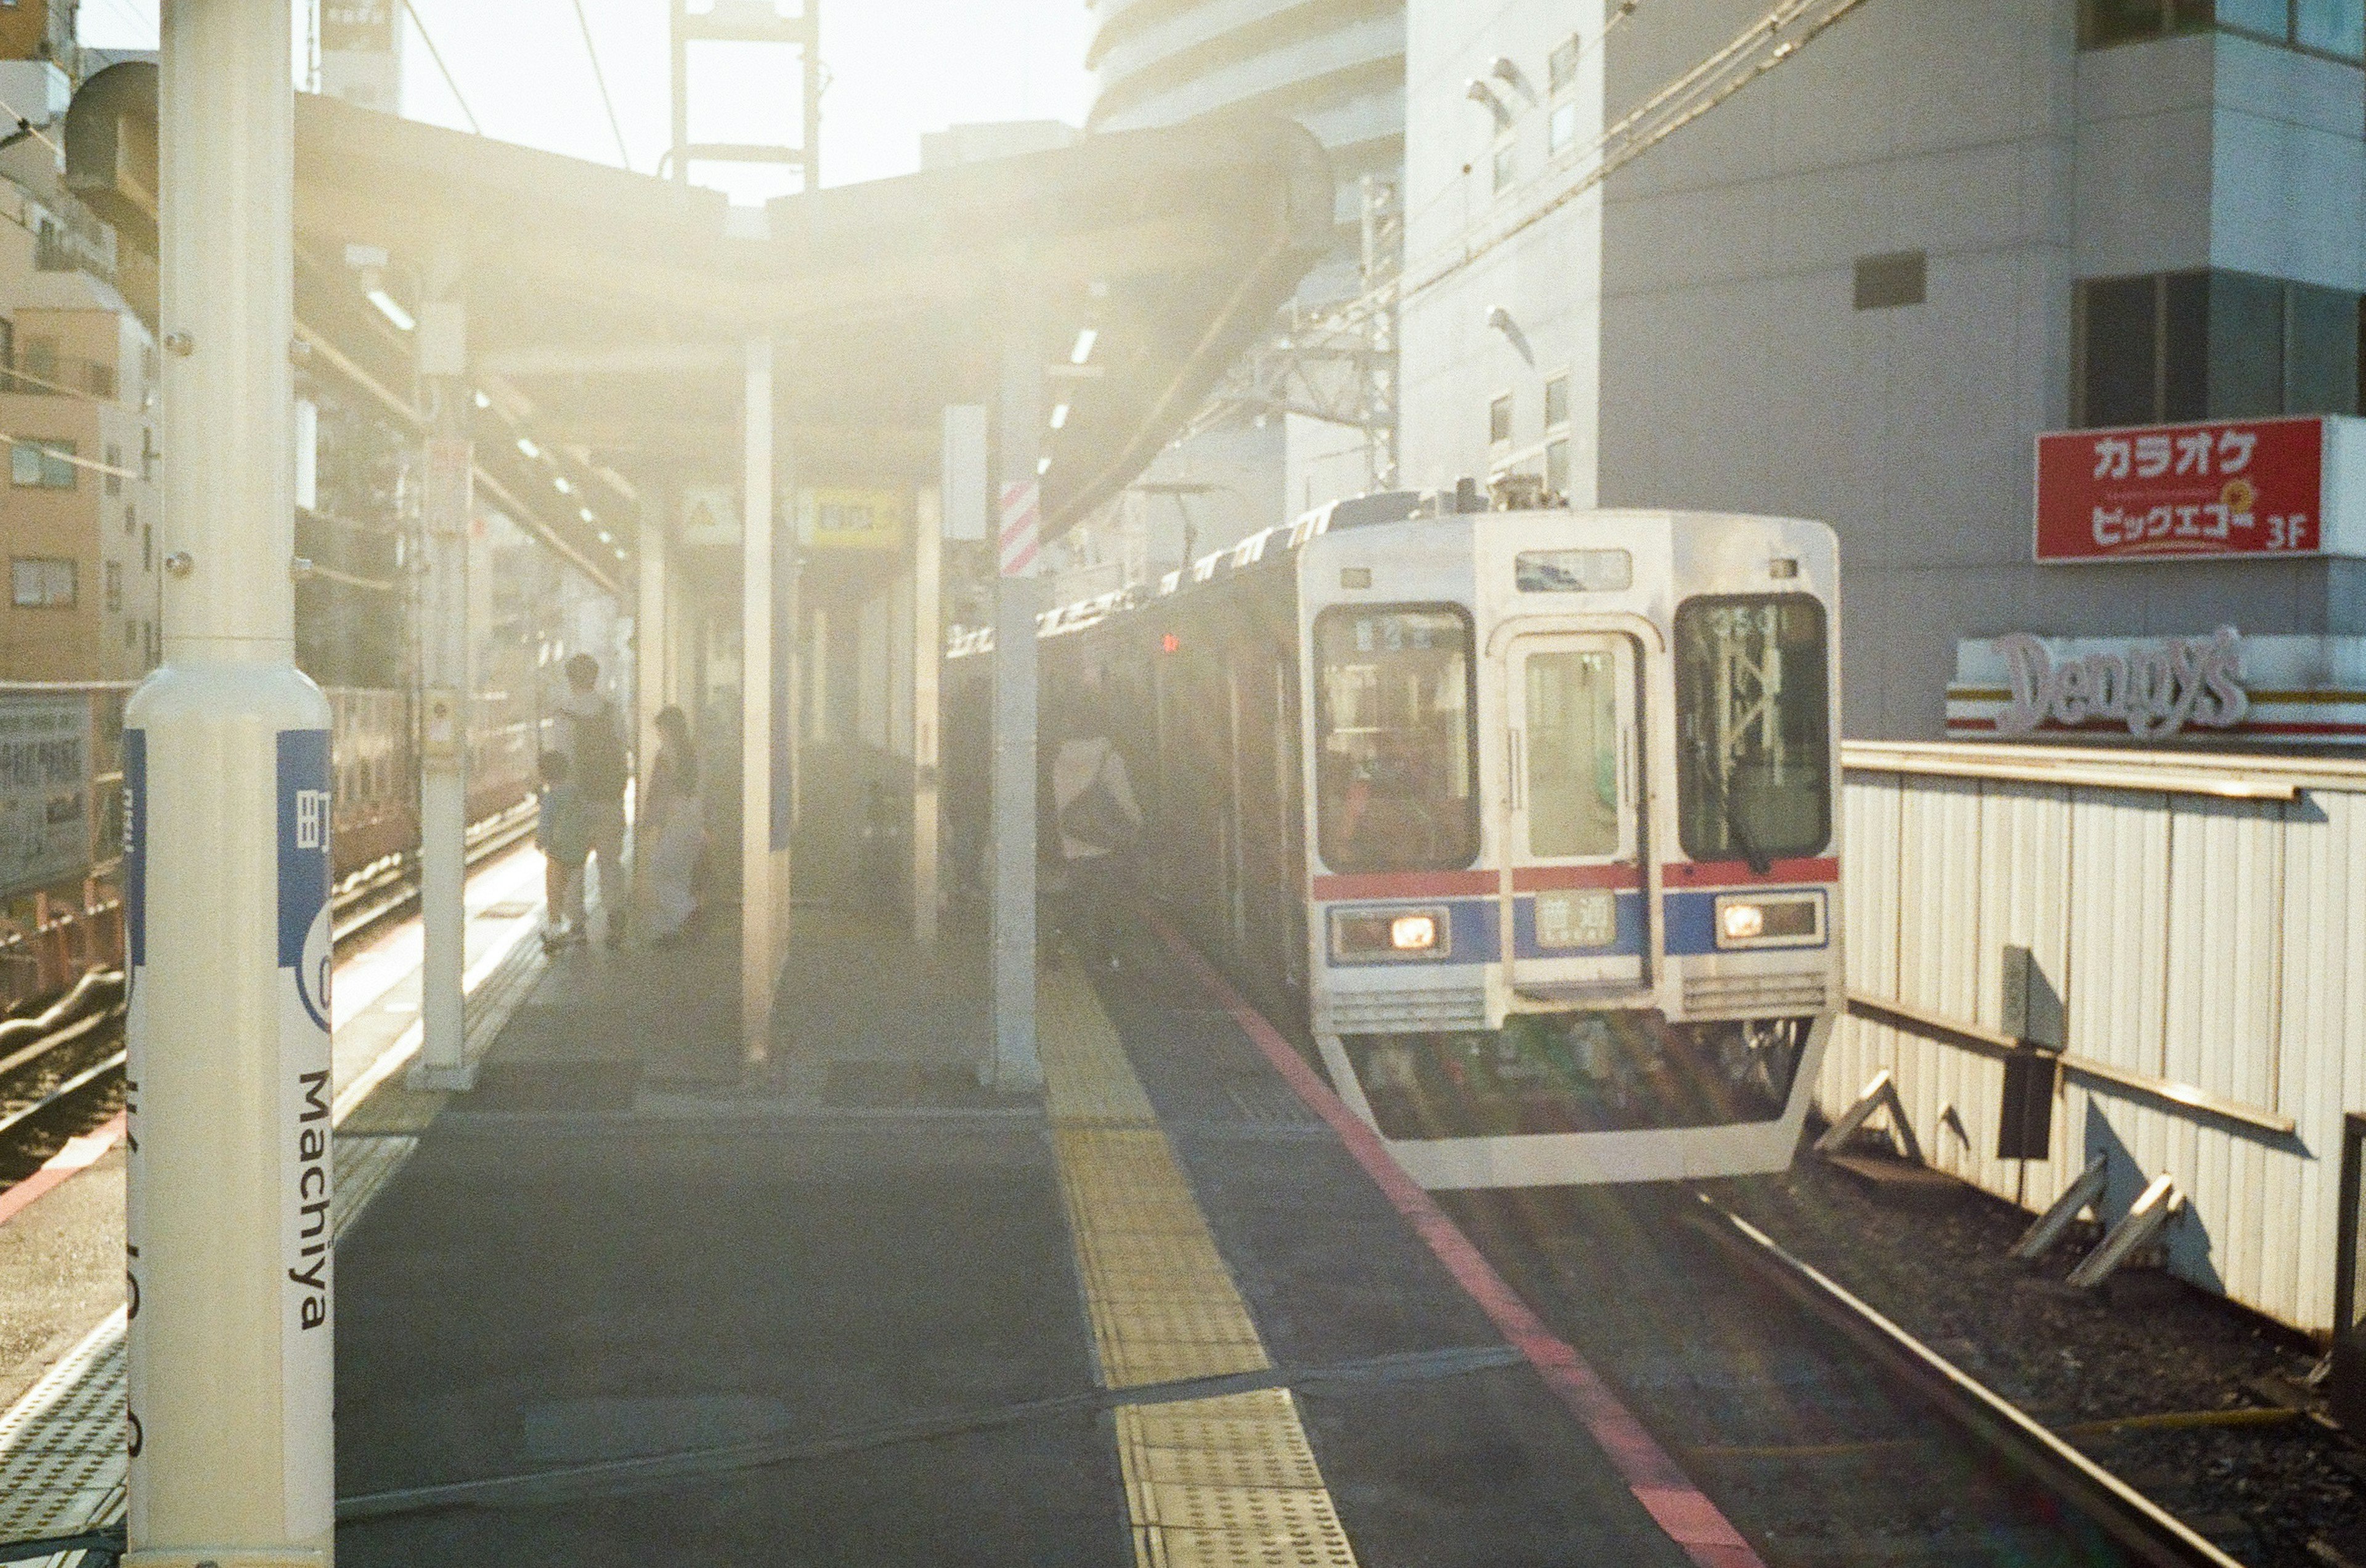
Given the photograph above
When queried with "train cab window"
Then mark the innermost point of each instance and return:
(1396, 773)
(1752, 715)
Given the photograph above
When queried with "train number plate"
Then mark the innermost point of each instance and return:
(1577, 919)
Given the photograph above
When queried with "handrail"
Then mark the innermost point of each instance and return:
(2225, 775)
(1989, 1042)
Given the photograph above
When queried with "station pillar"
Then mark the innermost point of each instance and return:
(229, 1407)
(765, 815)
(653, 632)
(1019, 600)
(444, 683)
(928, 655)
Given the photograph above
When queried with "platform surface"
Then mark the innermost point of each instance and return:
(611, 1315)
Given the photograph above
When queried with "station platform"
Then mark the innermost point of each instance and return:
(621, 1304)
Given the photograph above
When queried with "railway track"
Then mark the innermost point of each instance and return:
(1828, 1435)
(72, 1053)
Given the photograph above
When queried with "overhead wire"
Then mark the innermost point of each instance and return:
(436, 55)
(600, 78)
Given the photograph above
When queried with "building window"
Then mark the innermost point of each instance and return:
(147, 548)
(1557, 468)
(42, 465)
(2336, 28)
(132, 634)
(43, 582)
(114, 462)
(1560, 66)
(1556, 401)
(1506, 165)
(37, 358)
(2196, 345)
(131, 519)
(1886, 282)
(1499, 421)
(1560, 129)
(114, 587)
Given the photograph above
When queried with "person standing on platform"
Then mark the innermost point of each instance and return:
(597, 766)
(670, 832)
(559, 833)
(1097, 821)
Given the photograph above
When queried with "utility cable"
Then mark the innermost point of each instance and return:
(600, 78)
(436, 55)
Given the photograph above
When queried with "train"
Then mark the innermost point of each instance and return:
(1523, 818)
(60, 811)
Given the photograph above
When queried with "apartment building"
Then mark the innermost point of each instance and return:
(1867, 283)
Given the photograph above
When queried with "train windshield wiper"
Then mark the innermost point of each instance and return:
(1713, 778)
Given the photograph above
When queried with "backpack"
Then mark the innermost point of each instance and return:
(598, 756)
(1095, 817)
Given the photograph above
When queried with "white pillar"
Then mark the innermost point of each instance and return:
(759, 869)
(227, 864)
(928, 651)
(653, 656)
(1017, 604)
(445, 687)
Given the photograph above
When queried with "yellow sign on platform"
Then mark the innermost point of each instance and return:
(852, 519)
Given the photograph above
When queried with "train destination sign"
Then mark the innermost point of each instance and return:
(2232, 488)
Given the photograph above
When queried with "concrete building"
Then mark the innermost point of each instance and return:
(1861, 287)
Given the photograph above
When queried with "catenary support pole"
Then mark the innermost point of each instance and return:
(443, 682)
(928, 651)
(759, 959)
(226, 764)
(1017, 601)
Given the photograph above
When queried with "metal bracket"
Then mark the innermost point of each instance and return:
(2040, 1237)
(1882, 1091)
(2160, 1203)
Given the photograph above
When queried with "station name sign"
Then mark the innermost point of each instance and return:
(2232, 488)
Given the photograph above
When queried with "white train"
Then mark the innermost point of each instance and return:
(1526, 819)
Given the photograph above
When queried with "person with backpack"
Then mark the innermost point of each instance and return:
(1096, 822)
(596, 765)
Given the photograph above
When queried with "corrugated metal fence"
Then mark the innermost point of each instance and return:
(2197, 931)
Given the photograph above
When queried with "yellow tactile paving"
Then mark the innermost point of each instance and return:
(1228, 1482)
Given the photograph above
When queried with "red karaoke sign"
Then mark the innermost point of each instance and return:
(2234, 488)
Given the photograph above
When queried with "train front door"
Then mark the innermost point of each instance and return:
(1572, 900)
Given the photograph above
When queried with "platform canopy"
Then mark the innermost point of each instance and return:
(609, 312)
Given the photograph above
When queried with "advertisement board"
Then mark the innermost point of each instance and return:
(2231, 488)
(45, 768)
(2210, 688)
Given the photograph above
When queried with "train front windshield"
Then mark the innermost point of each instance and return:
(1755, 773)
(1395, 786)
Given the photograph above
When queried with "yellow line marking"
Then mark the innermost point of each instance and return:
(1229, 1482)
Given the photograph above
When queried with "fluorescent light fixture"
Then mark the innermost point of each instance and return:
(526, 446)
(483, 402)
(585, 513)
(606, 538)
(391, 309)
(1059, 415)
(1085, 338)
(1042, 465)
(564, 488)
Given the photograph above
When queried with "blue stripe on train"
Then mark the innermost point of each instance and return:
(1472, 926)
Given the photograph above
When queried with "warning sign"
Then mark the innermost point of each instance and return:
(1023, 524)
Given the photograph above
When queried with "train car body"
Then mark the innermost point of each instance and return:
(1527, 816)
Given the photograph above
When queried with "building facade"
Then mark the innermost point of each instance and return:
(1864, 284)
(1338, 68)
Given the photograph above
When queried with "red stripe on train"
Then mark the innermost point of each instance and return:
(1736, 874)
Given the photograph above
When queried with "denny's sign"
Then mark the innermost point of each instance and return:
(2261, 487)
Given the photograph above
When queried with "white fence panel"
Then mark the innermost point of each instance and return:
(2200, 923)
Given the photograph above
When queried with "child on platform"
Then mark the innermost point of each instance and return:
(559, 833)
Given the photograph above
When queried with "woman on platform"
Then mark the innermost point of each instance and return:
(672, 830)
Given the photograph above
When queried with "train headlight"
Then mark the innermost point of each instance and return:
(1385, 934)
(1413, 933)
(1780, 919)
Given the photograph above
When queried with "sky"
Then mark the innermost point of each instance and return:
(894, 69)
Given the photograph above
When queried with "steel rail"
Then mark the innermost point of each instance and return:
(492, 835)
(2149, 1532)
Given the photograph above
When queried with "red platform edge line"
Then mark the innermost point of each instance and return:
(1658, 1483)
(78, 1155)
